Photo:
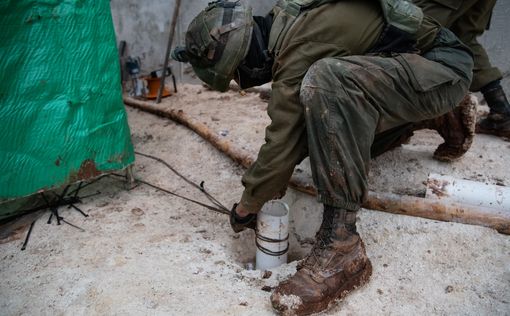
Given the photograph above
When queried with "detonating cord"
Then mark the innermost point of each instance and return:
(219, 207)
(212, 208)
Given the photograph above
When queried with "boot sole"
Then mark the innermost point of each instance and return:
(356, 281)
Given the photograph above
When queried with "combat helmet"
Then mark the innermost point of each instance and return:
(217, 40)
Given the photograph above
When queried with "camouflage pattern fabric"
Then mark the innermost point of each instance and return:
(341, 29)
(348, 100)
(468, 19)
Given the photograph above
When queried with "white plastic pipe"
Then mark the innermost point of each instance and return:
(272, 235)
(467, 192)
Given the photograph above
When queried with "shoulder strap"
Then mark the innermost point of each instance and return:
(402, 14)
(284, 14)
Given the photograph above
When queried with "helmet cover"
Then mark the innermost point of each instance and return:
(217, 40)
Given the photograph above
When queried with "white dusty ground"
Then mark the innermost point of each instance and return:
(144, 252)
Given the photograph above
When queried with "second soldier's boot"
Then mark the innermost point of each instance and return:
(336, 265)
(498, 121)
(456, 127)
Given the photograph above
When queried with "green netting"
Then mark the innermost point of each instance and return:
(61, 112)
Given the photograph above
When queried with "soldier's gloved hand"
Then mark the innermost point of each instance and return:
(239, 223)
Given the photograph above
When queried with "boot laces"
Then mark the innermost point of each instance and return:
(324, 238)
(337, 224)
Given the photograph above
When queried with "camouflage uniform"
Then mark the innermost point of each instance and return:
(341, 93)
(331, 101)
(468, 19)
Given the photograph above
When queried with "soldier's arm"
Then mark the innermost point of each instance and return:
(285, 140)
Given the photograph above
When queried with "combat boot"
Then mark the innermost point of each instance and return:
(337, 265)
(498, 121)
(456, 127)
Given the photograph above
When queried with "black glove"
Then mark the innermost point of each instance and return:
(241, 223)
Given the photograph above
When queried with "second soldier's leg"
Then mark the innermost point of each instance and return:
(468, 19)
(486, 77)
(468, 27)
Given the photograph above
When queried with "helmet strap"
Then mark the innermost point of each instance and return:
(256, 68)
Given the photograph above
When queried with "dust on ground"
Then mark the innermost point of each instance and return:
(145, 252)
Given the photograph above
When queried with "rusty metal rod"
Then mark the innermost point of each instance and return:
(168, 48)
(385, 202)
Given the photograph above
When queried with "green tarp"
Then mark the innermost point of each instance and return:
(61, 113)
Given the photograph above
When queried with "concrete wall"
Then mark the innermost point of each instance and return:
(497, 41)
(144, 25)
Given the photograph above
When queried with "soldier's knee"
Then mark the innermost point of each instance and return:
(326, 72)
(325, 76)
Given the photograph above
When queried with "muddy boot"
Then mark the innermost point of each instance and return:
(456, 127)
(498, 121)
(336, 265)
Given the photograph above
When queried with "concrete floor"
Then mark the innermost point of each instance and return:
(146, 253)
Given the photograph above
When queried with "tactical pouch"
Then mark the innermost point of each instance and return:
(452, 53)
(421, 78)
(403, 19)
(402, 15)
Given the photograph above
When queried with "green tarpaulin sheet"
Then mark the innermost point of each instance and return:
(61, 113)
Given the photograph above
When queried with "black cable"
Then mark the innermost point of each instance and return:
(198, 186)
(270, 240)
(212, 208)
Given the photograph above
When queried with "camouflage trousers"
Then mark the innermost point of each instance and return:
(357, 106)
